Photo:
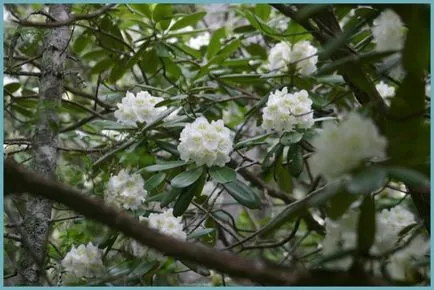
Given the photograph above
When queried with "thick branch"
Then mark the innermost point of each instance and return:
(65, 22)
(18, 180)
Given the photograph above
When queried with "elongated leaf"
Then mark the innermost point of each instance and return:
(295, 160)
(187, 20)
(155, 181)
(222, 174)
(164, 166)
(162, 12)
(196, 268)
(250, 141)
(214, 43)
(171, 196)
(243, 194)
(289, 138)
(366, 227)
(186, 196)
(187, 178)
(200, 233)
(410, 177)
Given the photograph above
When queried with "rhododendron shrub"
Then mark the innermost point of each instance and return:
(297, 135)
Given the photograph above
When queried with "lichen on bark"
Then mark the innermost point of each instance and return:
(37, 213)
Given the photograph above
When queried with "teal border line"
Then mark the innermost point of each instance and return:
(211, 2)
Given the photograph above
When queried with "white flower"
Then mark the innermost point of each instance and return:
(138, 108)
(389, 224)
(199, 41)
(341, 235)
(126, 190)
(400, 264)
(385, 91)
(302, 54)
(286, 111)
(388, 31)
(279, 56)
(428, 90)
(205, 143)
(83, 261)
(166, 224)
(341, 148)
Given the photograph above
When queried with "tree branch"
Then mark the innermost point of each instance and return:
(18, 180)
(71, 20)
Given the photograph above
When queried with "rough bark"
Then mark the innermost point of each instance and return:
(37, 212)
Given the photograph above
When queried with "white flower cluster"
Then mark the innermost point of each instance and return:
(302, 54)
(340, 148)
(388, 31)
(205, 143)
(83, 261)
(341, 235)
(126, 190)
(286, 111)
(386, 92)
(138, 108)
(165, 223)
(199, 41)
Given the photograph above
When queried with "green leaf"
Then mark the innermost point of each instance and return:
(111, 125)
(81, 42)
(118, 71)
(222, 174)
(188, 20)
(272, 155)
(409, 177)
(262, 11)
(252, 141)
(366, 227)
(289, 138)
(102, 65)
(257, 50)
(284, 180)
(200, 233)
(196, 268)
(339, 203)
(162, 13)
(164, 165)
(187, 195)
(161, 50)
(144, 9)
(187, 178)
(154, 181)
(367, 180)
(214, 43)
(243, 194)
(295, 160)
(171, 196)
(12, 87)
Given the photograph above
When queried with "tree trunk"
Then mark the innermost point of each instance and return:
(37, 213)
